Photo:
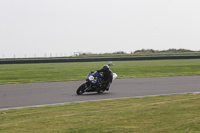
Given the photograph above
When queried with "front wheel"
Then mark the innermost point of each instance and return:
(81, 89)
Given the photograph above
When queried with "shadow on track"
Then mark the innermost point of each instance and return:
(94, 94)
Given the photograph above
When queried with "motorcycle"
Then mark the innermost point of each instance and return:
(94, 82)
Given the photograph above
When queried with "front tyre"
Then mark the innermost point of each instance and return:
(81, 89)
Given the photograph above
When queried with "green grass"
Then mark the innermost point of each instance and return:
(170, 114)
(31, 73)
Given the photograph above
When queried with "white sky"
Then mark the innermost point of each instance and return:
(98, 26)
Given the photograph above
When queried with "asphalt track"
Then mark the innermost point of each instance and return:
(40, 94)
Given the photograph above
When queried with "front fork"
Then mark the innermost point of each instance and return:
(87, 86)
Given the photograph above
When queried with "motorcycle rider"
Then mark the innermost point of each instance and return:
(107, 75)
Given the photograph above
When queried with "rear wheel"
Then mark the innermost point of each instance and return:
(100, 91)
(81, 89)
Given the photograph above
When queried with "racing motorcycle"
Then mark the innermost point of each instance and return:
(94, 82)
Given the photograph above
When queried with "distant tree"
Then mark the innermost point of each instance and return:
(162, 51)
(119, 52)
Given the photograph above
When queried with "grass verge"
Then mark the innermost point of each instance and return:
(175, 113)
(31, 73)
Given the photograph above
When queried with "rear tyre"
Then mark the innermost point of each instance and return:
(100, 91)
(81, 89)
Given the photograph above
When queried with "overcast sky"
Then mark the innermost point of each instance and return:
(98, 26)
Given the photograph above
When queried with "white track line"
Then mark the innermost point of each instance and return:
(96, 100)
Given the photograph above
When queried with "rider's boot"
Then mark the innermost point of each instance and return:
(107, 86)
